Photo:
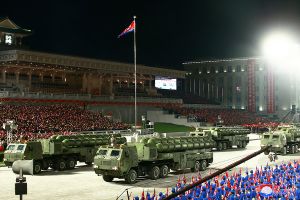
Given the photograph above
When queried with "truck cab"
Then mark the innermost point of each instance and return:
(276, 139)
(22, 151)
(115, 162)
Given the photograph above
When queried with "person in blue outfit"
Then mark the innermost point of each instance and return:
(283, 178)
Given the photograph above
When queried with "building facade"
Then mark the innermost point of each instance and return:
(33, 71)
(243, 83)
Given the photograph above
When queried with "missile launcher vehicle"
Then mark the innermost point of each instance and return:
(284, 139)
(224, 137)
(59, 152)
(153, 157)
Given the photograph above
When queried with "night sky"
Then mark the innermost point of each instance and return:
(168, 32)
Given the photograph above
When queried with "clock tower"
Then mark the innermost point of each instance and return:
(11, 35)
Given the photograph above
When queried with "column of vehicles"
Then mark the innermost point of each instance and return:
(59, 152)
(285, 139)
(152, 156)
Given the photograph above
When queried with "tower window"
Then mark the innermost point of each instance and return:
(8, 39)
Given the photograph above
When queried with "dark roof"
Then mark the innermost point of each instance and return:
(6, 25)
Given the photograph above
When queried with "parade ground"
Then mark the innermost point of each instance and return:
(83, 183)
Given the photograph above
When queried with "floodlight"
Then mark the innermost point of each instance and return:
(281, 50)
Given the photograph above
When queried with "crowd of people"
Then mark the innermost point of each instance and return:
(230, 117)
(42, 121)
(277, 182)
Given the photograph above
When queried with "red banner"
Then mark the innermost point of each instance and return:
(251, 86)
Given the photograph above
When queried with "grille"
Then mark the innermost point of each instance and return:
(106, 162)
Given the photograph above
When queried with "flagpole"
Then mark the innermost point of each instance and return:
(135, 107)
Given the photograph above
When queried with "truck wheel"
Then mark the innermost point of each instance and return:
(37, 167)
(61, 165)
(292, 149)
(154, 173)
(244, 144)
(89, 163)
(220, 146)
(196, 167)
(229, 146)
(71, 163)
(131, 177)
(224, 145)
(45, 165)
(284, 151)
(164, 171)
(203, 165)
(107, 178)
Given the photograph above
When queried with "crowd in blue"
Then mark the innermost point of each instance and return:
(279, 181)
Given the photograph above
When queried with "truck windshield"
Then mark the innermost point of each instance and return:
(20, 147)
(11, 147)
(102, 152)
(115, 153)
(275, 136)
(266, 136)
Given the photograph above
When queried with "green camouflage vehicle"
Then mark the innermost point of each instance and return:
(225, 137)
(284, 139)
(58, 152)
(153, 157)
(1, 156)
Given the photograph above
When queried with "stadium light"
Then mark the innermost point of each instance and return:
(282, 51)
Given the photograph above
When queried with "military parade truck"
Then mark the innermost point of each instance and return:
(284, 139)
(225, 137)
(59, 152)
(153, 157)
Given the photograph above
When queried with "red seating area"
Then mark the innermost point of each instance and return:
(36, 121)
(210, 115)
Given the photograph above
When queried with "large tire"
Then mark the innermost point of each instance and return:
(224, 146)
(163, 171)
(154, 173)
(196, 167)
(45, 165)
(61, 165)
(229, 145)
(284, 151)
(292, 149)
(107, 178)
(219, 146)
(244, 144)
(89, 163)
(131, 177)
(203, 165)
(37, 167)
(71, 163)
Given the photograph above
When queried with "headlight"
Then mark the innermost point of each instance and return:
(4, 159)
(115, 168)
(95, 166)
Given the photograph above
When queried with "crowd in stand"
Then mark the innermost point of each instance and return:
(45, 120)
(230, 117)
(277, 182)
